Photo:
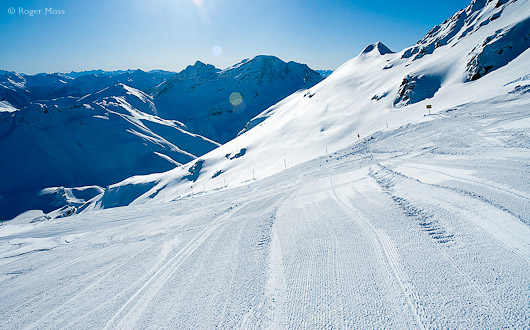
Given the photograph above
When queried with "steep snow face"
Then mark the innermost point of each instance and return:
(6, 107)
(512, 38)
(218, 103)
(97, 140)
(499, 49)
(416, 88)
(375, 91)
(120, 94)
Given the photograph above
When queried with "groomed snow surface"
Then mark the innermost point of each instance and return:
(421, 226)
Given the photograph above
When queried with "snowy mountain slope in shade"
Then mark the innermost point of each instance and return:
(372, 92)
(96, 140)
(121, 93)
(21, 89)
(200, 96)
(61, 117)
(421, 226)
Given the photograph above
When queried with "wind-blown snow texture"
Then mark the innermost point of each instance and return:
(423, 223)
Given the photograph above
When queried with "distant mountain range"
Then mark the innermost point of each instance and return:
(96, 128)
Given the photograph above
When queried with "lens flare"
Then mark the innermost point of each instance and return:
(217, 50)
(197, 3)
(236, 99)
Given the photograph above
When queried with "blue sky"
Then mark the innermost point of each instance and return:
(171, 34)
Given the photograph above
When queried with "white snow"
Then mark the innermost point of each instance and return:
(6, 107)
(99, 139)
(343, 108)
(420, 221)
(360, 238)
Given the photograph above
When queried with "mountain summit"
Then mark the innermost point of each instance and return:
(378, 48)
(200, 96)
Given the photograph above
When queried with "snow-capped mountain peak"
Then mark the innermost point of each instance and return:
(378, 49)
(477, 15)
(257, 83)
(198, 70)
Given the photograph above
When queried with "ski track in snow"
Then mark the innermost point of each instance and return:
(385, 234)
(387, 250)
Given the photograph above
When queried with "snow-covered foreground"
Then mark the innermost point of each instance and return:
(424, 226)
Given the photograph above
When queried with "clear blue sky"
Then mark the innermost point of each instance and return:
(170, 34)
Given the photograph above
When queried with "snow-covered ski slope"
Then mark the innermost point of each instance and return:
(422, 226)
(424, 223)
(478, 53)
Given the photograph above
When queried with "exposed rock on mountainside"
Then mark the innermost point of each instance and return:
(498, 50)
(416, 88)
